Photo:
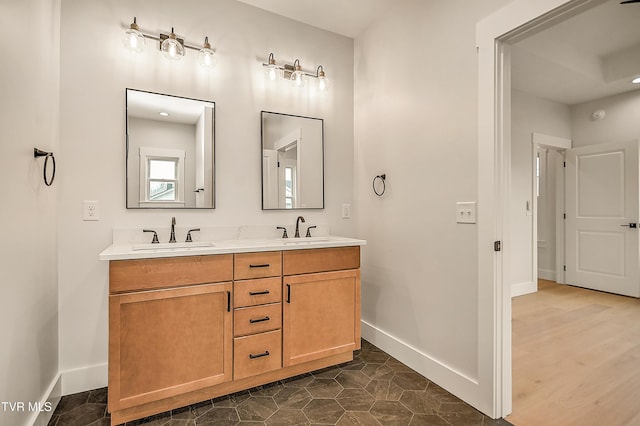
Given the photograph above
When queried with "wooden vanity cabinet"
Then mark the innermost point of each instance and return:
(321, 311)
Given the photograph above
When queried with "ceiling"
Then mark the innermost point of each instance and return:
(353, 16)
(589, 56)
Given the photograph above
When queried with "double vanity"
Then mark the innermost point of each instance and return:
(197, 320)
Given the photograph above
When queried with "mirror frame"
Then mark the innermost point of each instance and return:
(262, 114)
(213, 153)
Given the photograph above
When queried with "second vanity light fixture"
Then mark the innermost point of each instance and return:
(295, 73)
(171, 46)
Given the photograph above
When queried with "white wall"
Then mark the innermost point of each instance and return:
(619, 125)
(95, 70)
(28, 119)
(416, 120)
(531, 114)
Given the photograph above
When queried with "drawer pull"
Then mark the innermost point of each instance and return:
(228, 301)
(252, 356)
(253, 321)
(288, 293)
(262, 265)
(257, 293)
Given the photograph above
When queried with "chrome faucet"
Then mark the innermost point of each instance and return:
(298, 220)
(172, 238)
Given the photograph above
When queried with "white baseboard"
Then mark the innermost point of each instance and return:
(520, 289)
(84, 379)
(48, 402)
(546, 274)
(441, 374)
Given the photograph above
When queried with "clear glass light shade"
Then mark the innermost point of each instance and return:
(323, 83)
(172, 48)
(133, 40)
(272, 72)
(297, 78)
(207, 58)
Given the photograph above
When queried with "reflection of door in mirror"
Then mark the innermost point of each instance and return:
(169, 151)
(292, 162)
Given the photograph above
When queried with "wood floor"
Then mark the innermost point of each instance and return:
(576, 358)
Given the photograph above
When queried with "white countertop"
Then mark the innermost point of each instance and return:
(124, 251)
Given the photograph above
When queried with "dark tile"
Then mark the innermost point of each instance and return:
(356, 364)
(355, 400)
(397, 366)
(376, 357)
(266, 390)
(326, 411)
(352, 379)
(232, 400)
(384, 390)
(440, 394)
(179, 422)
(98, 396)
(357, 418)
(378, 371)
(70, 402)
(287, 418)
(257, 408)
(428, 420)
(324, 388)
(155, 420)
(367, 346)
(460, 414)
(298, 381)
(420, 402)
(410, 381)
(193, 411)
(327, 373)
(250, 423)
(223, 416)
(391, 413)
(82, 415)
(53, 420)
(105, 421)
(292, 398)
(495, 422)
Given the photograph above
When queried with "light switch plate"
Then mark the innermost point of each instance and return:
(346, 211)
(466, 212)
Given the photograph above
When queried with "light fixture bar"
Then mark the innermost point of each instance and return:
(163, 36)
(288, 70)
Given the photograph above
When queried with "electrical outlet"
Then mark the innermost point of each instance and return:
(91, 210)
(466, 212)
(346, 211)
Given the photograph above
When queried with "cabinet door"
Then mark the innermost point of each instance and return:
(321, 315)
(167, 342)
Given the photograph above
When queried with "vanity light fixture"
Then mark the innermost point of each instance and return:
(164, 114)
(173, 47)
(133, 39)
(294, 73)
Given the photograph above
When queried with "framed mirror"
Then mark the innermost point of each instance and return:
(292, 162)
(170, 151)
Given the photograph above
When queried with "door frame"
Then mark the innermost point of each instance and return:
(515, 21)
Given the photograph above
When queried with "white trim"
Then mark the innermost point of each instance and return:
(516, 20)
(547, 274)
(520, 289)
(50, 399)
(551, 141)
(84, 379)
(438, 372)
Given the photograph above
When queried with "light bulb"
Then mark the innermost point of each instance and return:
(172, 48)
(323, 83)
(272, 69)
(133, 39)
(206, 54)
(636, 80)
(297, 76)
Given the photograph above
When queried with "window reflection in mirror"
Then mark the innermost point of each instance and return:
(292, 162)
(170, 151)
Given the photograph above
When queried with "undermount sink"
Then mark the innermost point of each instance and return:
(172, 246)
(303, 240)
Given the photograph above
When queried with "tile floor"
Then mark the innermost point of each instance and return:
(373, 389)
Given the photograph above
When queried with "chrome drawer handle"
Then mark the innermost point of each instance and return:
(253, 321)
(252, 356)
(257, 293)
(262, 265)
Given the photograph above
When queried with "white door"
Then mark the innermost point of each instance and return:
(602, 216)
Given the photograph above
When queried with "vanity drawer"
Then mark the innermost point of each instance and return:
(257, 319)
(257, 292)
(257, 354)
(148, 274)
(320, 260)
(257, 265)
